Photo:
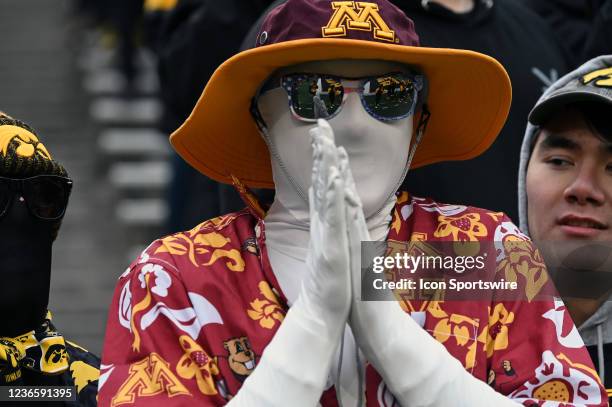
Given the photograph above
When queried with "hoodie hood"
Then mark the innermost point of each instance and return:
(589, 329)
(597, 330)
(604, 61)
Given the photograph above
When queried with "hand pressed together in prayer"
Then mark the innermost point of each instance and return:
(390, 339)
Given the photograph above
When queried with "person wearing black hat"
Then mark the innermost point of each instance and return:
(565, 191)
(34, 191)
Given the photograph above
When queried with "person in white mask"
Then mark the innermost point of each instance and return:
(263, 307)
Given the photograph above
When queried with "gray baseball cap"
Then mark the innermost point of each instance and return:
(592, 86)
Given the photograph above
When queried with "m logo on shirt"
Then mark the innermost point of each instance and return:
(149, 377)
(600, 77)
(357, 15)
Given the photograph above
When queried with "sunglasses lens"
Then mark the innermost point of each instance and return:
(314, 96)
(47, 197)
(390, 96)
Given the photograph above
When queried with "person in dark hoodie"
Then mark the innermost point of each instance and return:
(584, 27)
(184, 68)
(34, 191)
(528, 49)
(565, 198)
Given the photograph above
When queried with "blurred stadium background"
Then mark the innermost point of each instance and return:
(57, 73)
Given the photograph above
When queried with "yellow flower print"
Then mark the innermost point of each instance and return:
(495, 335)
(458, 326)
(194, 243)
(196, 363)
(267, 310)
(216, 224)
(496, 216)
(212, 239)
(461, 327)
(523, 259)
(397, 222)
(462, 228)
(235, 263)
(179, 245)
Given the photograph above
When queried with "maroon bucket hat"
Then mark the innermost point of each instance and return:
(367, 21)
(469, 93)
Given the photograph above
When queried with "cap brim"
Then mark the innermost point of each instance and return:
(544, 110)
(469, 99)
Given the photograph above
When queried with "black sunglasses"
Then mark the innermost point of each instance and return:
(46, 196)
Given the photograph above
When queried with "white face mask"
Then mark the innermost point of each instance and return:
(378, 151)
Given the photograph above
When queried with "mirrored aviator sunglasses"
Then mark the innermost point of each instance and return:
(388, 97)
(46, 196)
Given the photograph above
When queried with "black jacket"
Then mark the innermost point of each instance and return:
(583, 27)
(527, 48)
(196, 37)
(193, 40)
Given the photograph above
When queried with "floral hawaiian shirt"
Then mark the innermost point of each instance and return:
(191, 317)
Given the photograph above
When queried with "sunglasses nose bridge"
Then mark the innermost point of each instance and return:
(15, 186)
(352, 109)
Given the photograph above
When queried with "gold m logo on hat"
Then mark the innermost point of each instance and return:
(602, 77)
(357, 15)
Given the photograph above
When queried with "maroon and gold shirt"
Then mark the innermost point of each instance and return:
(191, 317)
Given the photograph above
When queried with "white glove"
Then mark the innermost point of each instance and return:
(409, 360)
(294, 367)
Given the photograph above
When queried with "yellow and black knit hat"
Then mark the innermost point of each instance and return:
(22, 155)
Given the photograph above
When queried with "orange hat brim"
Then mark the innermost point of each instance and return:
(469, 99)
